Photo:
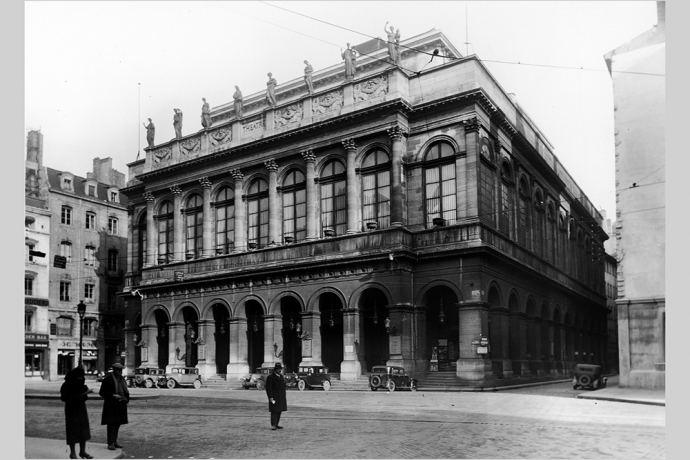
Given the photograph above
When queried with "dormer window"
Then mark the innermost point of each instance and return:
(67, 183)
(91, 190)
(113, 196)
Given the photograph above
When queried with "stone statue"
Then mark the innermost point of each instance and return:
(308, 71)
(271, 90)
(237, 97)
(350, 62)
(206, 114)
(177, 123)
(189, 341)
(393, 44)
(150, 133)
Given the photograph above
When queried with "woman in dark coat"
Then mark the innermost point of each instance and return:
(115, 398)
(275, 390)
(74, 394)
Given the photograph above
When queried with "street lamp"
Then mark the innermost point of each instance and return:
(81, 309)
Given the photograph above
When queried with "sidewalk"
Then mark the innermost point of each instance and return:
(53, 448)
(629, 395)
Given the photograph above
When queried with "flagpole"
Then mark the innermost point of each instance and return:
(138, 121)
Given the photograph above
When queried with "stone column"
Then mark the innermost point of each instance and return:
(272, 335)
(310, 160)
(353, 364)
(130, 364)
(519, 346)
(396, 134)
(130, 240)
(549, 352)
(401, 327)
(175, 341)
(149, 333)
(474, 322)
(207, 236)
(352, 195)
(207, 348)
(422, 355)
(238, 364)
(310, 325)
(178, 225)
(151, 236)
(240, 213)
(499, 343)
(274, 223)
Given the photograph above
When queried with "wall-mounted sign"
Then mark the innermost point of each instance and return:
(482, 350)
(179, 276)
(60, 262)
(349, 349)
(395, 344)
(144, 353)
(202, 351)
(306, 348)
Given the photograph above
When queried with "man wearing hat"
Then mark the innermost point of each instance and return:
(277, 402)
(115, 398)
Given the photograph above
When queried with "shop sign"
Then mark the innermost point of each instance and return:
(68, 344)
(36, 345)
(36, 337)
(482, 350)
(483, 341)
(34, 301)
(60, 262)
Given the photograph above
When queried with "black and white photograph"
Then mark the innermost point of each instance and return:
(343, 229)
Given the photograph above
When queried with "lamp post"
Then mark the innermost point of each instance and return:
(81, 309)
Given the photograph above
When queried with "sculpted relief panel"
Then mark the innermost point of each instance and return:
(162, 155)
(370, 89)
(330, 102)
(221, 136)
(190, 146)
(290, 114)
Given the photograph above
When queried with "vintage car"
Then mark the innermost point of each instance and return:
(309, 377)
(257, 379)
(183, 376)
(588, 376)
(392, 378)
(147, 377)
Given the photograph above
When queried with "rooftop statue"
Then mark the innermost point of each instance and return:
(393, 44)
(308, 71)
(350, 62)
(271, 90)
(237, 102)
(150, 133)
(206, 114)
(177, 123)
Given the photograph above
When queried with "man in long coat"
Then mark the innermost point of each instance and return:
(277, 401)
(115, 399)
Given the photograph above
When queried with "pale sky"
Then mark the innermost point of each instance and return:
(84, 62)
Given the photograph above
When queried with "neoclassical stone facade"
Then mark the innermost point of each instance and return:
(395, 226)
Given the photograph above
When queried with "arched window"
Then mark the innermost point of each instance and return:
(550, 233)
(505, 218)
(141, 240)
(257, 213)
(334, 197)
(524, 220)
(194, 218)
(165, 232)
(225, 220)
(376, 188)
(487, 186)
(440, 185)
(295, 205)
(539, 223)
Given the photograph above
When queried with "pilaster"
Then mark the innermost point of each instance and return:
(352, 195)
(273, 206)
(178, 225)
(207, 227)
(240, 213)
(310, 160)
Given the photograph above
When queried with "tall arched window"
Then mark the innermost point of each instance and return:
(505, 218)
(334, 197)
(376, 188)
(165, 232)
(487, 185)
(194, 218)
(550, 233)
(225, 220)
(295, 205)
(440, 186)
(141, 241)
(524, 213)
(539, 223)
(257, 213)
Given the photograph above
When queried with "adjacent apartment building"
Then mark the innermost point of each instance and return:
(638, 70)
(84, 261)
(394, 214)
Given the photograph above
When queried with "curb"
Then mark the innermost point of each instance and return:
(54, 396)
(623, 399)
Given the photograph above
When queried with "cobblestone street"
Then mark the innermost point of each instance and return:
(206, 423)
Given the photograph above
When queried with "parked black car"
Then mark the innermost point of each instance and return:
(392, 378)
(588, 376)
(310, 377)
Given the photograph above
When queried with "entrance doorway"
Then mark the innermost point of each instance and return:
(376, 348)
(331, 331)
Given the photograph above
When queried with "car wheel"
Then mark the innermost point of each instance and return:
(171, 383)
(260, 385)
(584, 380)
(326, 385)
(391, 385)
(148, 383)
(301, 385)
(138, 380)
(375, 381)
(197, 384)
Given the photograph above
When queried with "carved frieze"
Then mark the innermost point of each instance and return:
(162, 154)
(287, 115)
(370, 89)
(220, 136)
(189, 146)
(329, 102)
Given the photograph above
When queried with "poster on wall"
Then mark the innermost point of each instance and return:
(395, 344)
(306, 348)
(144, 354)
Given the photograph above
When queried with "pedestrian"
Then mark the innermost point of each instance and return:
(115, 399)
(74, 394)
(277, 401)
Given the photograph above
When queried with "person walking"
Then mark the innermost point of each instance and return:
(277, 401)
(74, 394)
(115, 399)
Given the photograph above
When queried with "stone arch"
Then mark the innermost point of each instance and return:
(219, 186)
(240, 309)
(189, 193)
(493, 294)
(364, 151)
(150, 313)
(247, 181)
(356, 295)
(514, 301)
(139, 214)
(162, 200)
(322, 162)
(312, 304)
(507, 169)
(176, 315)
(421, 151)
(207, 309)
(274, 306)
(290, 167)
(422, 293)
